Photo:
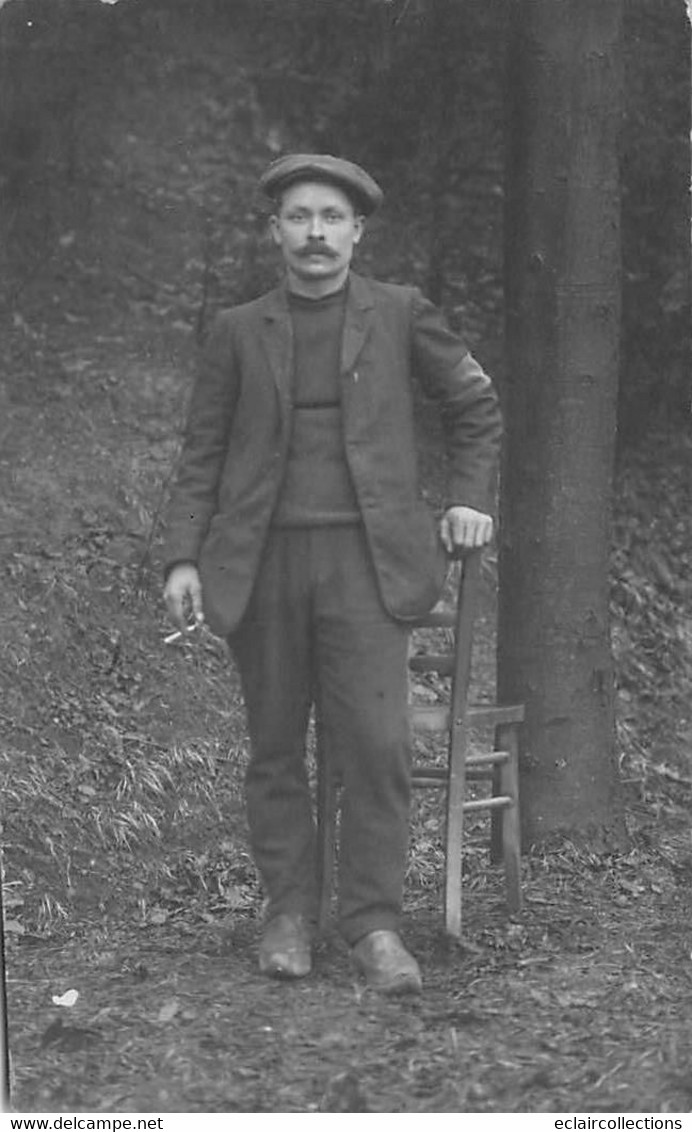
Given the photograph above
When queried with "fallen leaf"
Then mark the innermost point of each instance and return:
(69, 998)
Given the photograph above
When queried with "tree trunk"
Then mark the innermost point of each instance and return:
(563, 324)
(443, 125)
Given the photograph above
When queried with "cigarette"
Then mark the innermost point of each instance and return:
(169, 640)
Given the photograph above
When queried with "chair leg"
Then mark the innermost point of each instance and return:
(326, 836)
(511, 829)
(456, 789)
(497, 816)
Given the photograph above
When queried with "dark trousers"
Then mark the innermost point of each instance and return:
(316, 633)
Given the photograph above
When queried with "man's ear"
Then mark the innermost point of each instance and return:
(359, 226)
(274, 228)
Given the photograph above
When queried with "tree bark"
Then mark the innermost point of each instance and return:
(445, 76)
(563, 324)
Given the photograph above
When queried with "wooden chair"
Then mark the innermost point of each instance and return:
(498, 766)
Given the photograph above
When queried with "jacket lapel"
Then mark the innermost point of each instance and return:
(278, 335)
(357, 320)
(278, 341)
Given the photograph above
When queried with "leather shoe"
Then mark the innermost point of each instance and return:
(387, 965)
(285, 951)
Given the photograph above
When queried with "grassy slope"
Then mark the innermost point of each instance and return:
(98, 362)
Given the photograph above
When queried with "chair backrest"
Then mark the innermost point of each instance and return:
(468, 593)
(454, 662)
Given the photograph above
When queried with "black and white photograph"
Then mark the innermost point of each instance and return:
(346, 696)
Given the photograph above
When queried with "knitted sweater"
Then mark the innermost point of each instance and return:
(317, 487)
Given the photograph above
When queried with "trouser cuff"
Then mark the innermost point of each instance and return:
(355, 927)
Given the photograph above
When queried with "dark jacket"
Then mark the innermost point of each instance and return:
(238, 428)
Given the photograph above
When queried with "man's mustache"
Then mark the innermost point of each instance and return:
(317, 249)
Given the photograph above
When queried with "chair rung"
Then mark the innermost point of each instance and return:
(436, 619)
(439, 773)
(436, 717)
(443, 663)
(477, 766)
(499, 802)
(491, 758)
(424, 782)
(429, 717)
(500, 713)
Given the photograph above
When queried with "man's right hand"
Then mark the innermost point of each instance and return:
(183, 596)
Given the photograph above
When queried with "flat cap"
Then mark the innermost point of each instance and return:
(348, 176)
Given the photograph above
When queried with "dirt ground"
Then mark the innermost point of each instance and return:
(126, 873)
(581, 1003)
(570, 1008)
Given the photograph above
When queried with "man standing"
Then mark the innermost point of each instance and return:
(297, 530)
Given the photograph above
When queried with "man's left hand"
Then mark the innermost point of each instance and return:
(464, 528)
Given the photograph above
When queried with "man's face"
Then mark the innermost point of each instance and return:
(316, 228)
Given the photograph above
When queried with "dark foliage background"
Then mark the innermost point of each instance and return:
(414, 89)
